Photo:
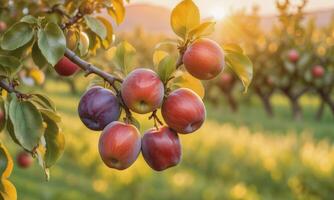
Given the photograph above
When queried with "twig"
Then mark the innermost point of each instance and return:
(11, 89)
(88, 68)
(72, 21)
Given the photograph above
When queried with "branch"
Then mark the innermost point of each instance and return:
(72, 21)
(11, 89)
(91, 69)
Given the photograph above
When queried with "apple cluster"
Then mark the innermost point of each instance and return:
(143, 92)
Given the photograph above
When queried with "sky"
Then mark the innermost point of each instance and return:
(220, 8)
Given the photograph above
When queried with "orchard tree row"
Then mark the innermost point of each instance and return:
(60, 35)
(294, 58)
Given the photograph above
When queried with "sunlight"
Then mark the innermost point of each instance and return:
(218, 13)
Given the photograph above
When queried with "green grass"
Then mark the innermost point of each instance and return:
(252, 115)
(240, 155)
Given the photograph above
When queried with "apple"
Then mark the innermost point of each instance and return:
(119, 145)
(65, 67)
(318, 71)
(226, 80)
(98, 107)
(183, 111)
(142, 91)
(293, 55)
(24, 159)
(3, 26)
(161, 148)
(204, 59)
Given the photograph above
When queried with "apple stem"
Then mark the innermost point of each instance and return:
(157, 122)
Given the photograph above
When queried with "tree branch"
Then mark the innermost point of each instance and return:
(91, 69)
(11, 89)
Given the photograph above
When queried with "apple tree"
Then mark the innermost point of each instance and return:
(60, 35)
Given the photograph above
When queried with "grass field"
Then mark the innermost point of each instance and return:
(234, 156)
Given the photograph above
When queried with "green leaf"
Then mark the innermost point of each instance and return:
(37, 56)
(17, 36)
(9, 125)
(124, 56)
(96, 26)
(242, 66)
(55, 142)
(204, 29)
(27, 123)
(6, 162)
(185, 17)
(2, 114)
(166, 68)
(9, 65)
(52, 43)
(42, 101)
(158, 56)
(50, 114)
(29, 19)
(110, 32)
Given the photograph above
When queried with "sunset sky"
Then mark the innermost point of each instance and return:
(218, 8)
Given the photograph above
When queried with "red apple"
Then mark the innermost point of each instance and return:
(161, 148)
(184, 111)
(24, 159)
(318, 71)
(3, 26)
(204, 59)
(226, 80)
(293, 55)
(142, 91)
(65, 67)
(119, 145)
(98, 107)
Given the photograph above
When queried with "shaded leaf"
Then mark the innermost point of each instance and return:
(37, 56)
(124, 56)
(27, 123)
(29, 19)
(55, 142)
(17, 36)
(166, 68)
(52, 43)
(42, 101)
(96, 26)
(110, 33)
(9, 65)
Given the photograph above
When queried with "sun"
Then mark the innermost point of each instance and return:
(218, 13)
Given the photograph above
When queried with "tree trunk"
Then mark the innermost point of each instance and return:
(296, 108)
(320, 111)
(230, 99)
(327, 99)
(232, 102)
(267, 105)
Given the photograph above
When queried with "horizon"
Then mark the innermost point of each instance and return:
(211, 8)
